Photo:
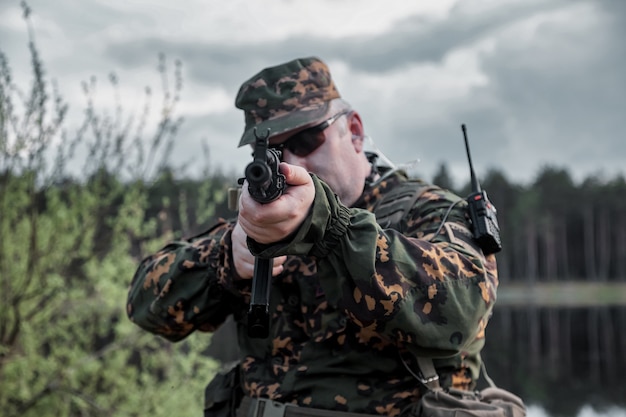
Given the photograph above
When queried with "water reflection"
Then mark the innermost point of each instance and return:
(564, 362)
(585, 411)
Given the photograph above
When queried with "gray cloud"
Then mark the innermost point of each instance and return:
(557, 96)
(559, 99)
(568, 109)
(413, 40)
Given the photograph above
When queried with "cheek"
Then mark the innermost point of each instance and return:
(292, 159)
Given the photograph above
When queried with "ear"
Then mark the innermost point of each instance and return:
(356, 130)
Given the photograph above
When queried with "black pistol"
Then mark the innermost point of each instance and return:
(265, 184)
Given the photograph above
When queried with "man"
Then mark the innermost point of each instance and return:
(353, 302)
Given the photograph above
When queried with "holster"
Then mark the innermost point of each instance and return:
(223, 394)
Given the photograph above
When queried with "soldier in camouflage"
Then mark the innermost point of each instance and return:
(353, 302)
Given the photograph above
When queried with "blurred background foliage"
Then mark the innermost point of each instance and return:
(70, 244)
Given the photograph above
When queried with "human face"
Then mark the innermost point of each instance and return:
(306, 141)
(337, 159)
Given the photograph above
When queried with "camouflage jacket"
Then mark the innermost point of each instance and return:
(352, 299)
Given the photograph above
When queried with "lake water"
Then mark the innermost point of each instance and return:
(564, 362)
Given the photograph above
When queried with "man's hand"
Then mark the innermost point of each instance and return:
(244, 260)
(272, 222)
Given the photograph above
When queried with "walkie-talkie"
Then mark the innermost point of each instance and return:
(482, 212)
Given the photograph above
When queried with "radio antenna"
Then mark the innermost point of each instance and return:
(474, 180)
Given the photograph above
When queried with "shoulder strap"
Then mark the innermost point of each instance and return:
(397, 203)
(429, 373)
(430, 378)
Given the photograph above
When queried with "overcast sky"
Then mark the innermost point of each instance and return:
(536, 82)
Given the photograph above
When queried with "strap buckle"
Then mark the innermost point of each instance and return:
(264, 407)
(431, 381)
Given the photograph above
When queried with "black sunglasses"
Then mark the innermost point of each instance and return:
(308, 140)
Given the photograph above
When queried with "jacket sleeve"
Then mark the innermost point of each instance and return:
(430, 289)
(186, 286)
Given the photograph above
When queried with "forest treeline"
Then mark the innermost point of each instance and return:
(552, 229)
(556, 229)
(69, 244)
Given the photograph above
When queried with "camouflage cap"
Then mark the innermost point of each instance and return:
(285, 97)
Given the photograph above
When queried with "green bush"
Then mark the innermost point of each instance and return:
(66, 259)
